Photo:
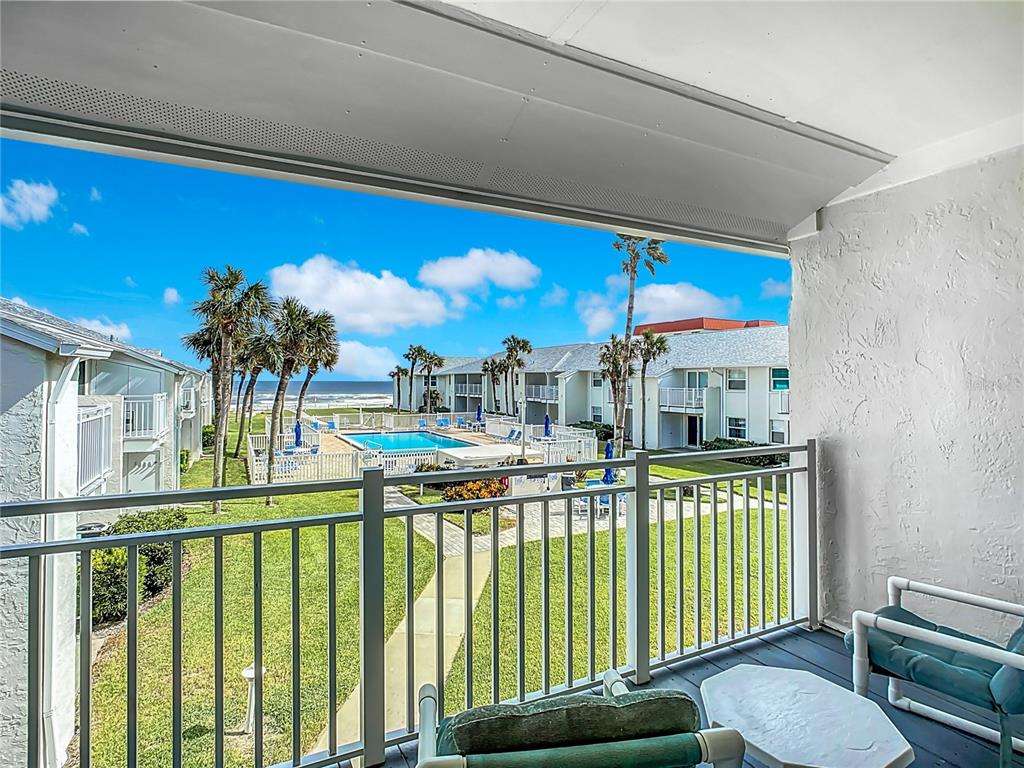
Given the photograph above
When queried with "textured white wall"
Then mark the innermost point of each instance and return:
(907, 360)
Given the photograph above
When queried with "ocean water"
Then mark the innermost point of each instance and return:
(326, 394)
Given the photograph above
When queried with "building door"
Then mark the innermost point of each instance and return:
(693, 430)
(143, 473)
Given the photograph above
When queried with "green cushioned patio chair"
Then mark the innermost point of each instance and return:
(906, 647)
(555, 739)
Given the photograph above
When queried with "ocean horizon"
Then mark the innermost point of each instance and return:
(326, 394)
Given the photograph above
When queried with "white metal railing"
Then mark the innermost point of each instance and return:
(610, 396)
(544, 392)
(145, 416)
(403, 421)
(95, 437)
(188, 401)
(473, 390)
(686, 398)
(754, 527)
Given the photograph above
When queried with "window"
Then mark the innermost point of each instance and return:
(433, 381)
(778, 432)
(596, 380)
(780, 379)
(736, 380)
(595, 414)
(697, 379)
(81, 377)
(738, 427)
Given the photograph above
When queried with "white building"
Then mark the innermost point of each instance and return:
(80, 414)
(721, 378)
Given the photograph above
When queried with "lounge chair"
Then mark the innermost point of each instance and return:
(443, 423)
(903, 646)
(423, 423)
(460, 423)
(655, 728)
(331, 426)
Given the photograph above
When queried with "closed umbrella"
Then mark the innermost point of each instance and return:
(479, 413)
(547, 425)
(298, 434)
(609, 475)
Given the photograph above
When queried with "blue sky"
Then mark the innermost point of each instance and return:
(121, 244)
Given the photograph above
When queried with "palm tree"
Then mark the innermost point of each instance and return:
(515, 348)
(635, 249)
(500, 366)
(397, 375)
(649, 348)
(243, 365)
(231, 310)
(616, 363)
(321, 353)
(414, 354)
(431, 361)
(291, 327)
(265, 354)
(492, 370)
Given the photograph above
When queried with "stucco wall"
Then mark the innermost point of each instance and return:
(907, 361)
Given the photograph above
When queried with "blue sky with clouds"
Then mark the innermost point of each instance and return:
(120, 245)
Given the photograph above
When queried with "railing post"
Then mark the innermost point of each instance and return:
(638, 574)
(804, 497)
(371, 610)
(812, 533)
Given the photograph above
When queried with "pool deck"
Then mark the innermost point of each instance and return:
(336, 443)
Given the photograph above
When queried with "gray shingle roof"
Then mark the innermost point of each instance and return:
(743, 347)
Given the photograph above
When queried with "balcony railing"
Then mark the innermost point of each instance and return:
(473, 390)
(188, 402)
(543, 392)
(145, 416)
(753, 527)
(629, 396)
(95, 436)
(681, 398)
(783, 396)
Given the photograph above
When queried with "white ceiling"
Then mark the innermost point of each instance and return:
(893, 75)
(433, 100)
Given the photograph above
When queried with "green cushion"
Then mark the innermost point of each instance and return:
(678, 751)
(567, 721)
(1007, 684)
(961, 675)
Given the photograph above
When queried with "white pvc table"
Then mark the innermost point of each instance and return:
(793, 718)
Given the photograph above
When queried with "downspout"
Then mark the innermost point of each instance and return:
(46, 523)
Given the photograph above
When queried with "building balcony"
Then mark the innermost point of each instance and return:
(610, 396)
(470, 390)
(545, 393)
(188, 402)
(95, 437)
(681, 399)
(145, 416)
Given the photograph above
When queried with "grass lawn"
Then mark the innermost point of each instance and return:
(481, 520)
(154, 665)
(455, 685)
(715, 467)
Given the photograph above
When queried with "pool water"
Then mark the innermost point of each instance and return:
(404, 441)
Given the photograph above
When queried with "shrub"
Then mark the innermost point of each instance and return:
(728, 443)
(426, 466)
(184, 457)
(209, 435)
(487, 488)
(110, 566)
(604, 431)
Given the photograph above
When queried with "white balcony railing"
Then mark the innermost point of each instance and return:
(95, 436)
(145, 416)
(629, 395)
(755, 522)
(188, 402)
(544, 392)
(681, 398)
(473, 390)
(783, 396)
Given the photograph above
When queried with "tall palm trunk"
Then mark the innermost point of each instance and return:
(220, 435)
(412, 376)
(508, 387)
(643, 405)
(238, 397)
(245, 423)
(275, 422)
(310, 373)
(620, 405)
(398, 391)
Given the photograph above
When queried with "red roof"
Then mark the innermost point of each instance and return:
(701, 324)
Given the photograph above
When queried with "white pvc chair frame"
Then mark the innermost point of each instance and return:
(863, 620)
(722, 747)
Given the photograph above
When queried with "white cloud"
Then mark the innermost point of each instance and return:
(555, 297)
(95, 195)
(27, 202)
(776, 289)
(106, 326)
(362, 361)
(79, 229)
(511, 302)
(360, 301)
(130, 282)
(674, 301)
(595, 311)
(477, 270)
(171, 296)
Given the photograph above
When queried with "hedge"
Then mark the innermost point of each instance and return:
(729, 444)
(604, 431)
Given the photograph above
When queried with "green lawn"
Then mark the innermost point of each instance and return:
(687, 470)
(154, 667)
(507, 607)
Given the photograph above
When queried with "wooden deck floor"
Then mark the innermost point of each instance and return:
(824, 654)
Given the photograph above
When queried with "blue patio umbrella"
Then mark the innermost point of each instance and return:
(298, 434)
(609, 475)
(479, 413)
(547, 425)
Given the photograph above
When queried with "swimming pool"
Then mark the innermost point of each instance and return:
(404, 441)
